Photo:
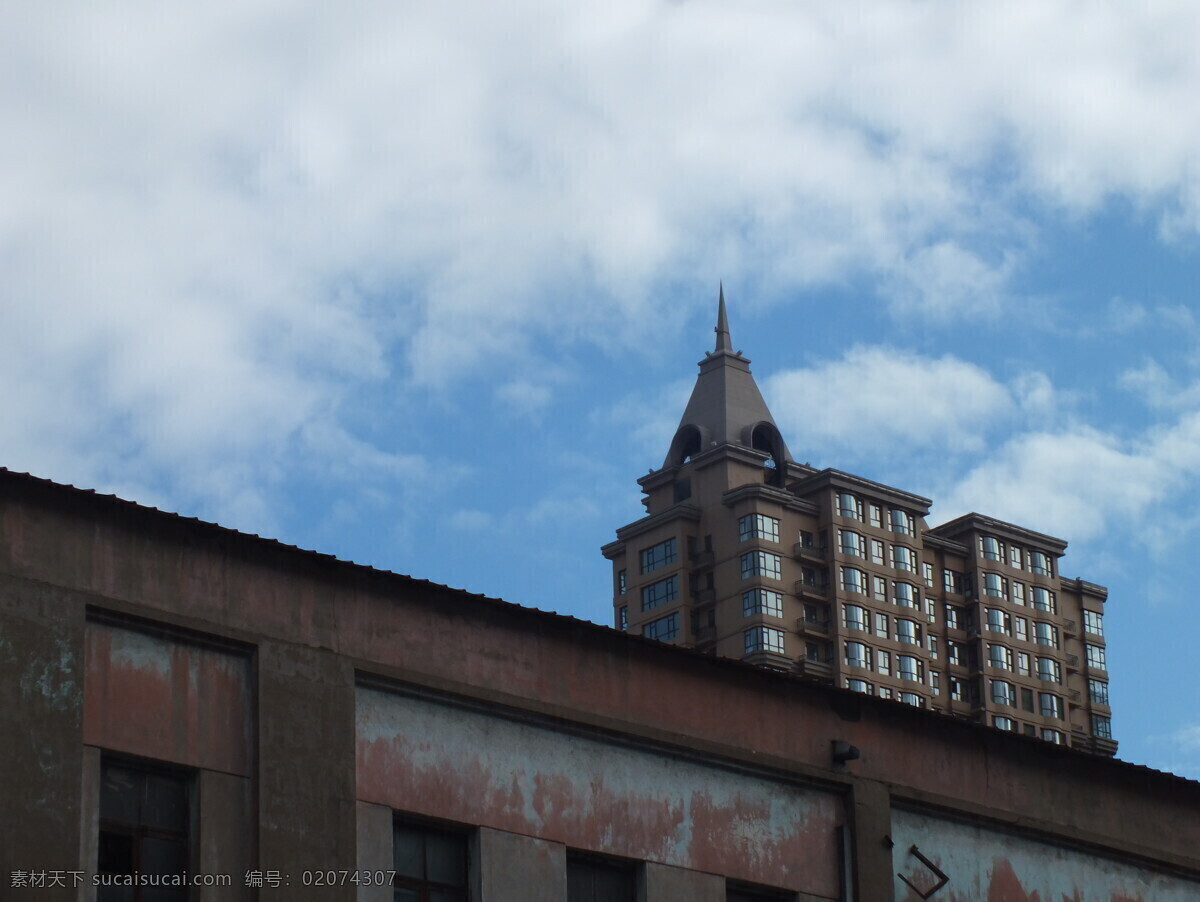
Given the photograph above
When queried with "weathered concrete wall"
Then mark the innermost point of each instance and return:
(519, 867)
(418, 756)
(986, 864)
(315, 621)
(661, 883)
(374, 850)
(41, 752)
(307, 814)
(165, 698)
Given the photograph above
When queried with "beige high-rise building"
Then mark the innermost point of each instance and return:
(745, 553)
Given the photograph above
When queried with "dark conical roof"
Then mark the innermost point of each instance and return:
(726, 406)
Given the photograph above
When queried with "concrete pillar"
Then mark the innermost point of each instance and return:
(306, 768)
(374, 850)
(89, 822)
(41, 722)
(226, 834)
(662, 883)
(511, 866)
(871, 825)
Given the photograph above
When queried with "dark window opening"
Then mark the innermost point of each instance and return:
(145, 818)
(430, 863)
(600, 880)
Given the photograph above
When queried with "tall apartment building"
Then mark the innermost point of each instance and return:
(745, 553)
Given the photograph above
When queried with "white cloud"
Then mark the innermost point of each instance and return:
(881, 399)
(218, 224)
(1081, 482)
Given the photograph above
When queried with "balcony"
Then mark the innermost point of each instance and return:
(704, 596)
(700, 559)
(770, 659)
(1070, 628)
(802, 552)
(811, 590)
(1072, 662)
(820, 670)
(816, 627)
(705, 634)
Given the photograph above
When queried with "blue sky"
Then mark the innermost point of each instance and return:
(424, 285)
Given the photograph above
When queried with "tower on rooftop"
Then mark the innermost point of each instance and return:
(744, 553)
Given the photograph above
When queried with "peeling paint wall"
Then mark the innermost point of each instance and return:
(990, 866)
(420, 756)
(169, 699)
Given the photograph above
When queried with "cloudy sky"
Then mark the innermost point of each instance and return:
(424, 285)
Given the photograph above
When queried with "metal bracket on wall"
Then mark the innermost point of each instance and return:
(942, 878)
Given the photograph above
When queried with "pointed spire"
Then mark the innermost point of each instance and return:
(722, 329)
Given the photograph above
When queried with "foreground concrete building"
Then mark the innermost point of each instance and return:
(176, 697)
(745, 553)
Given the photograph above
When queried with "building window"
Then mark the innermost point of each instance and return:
(876, 516)
(144, 820)
(1003, 693)
(909, 668)
(623, 617)
(1017, 591)
(958, 689)
(848, 506)
(1093, 622)
(1051, 705)
(952, 581)
(658, 555)
(933, 646)
(1043, 599)
(859, 686)
(1021, 628)
(1049, 670)
(997, 621)
(1095, 656)
(877, 549)
(1046, 634)
(764, 601)
(599, 880)
(905, 595)
(880, 588)
(902, 522)
(760, 563)
(622, 585)
(854, 580)
(952, 618)
(1098, 692)
(993, 585)
(850, 542)
(758, 526)
(663, 628)
(911, 698)
(927, 574)
(1000, 657)
(954, 653)
(660, 592)
(883, 662)
(881, 626)
(1039, 562)
(1102, 726)
(764, 638)
(430, 863)
(1054, 736)
(991, 549)
(857, 618)
(885, 692)
(935, 682)
(1004, 723)
(858, 655)
(1014, 557)
(904, 558)
(907, 632)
